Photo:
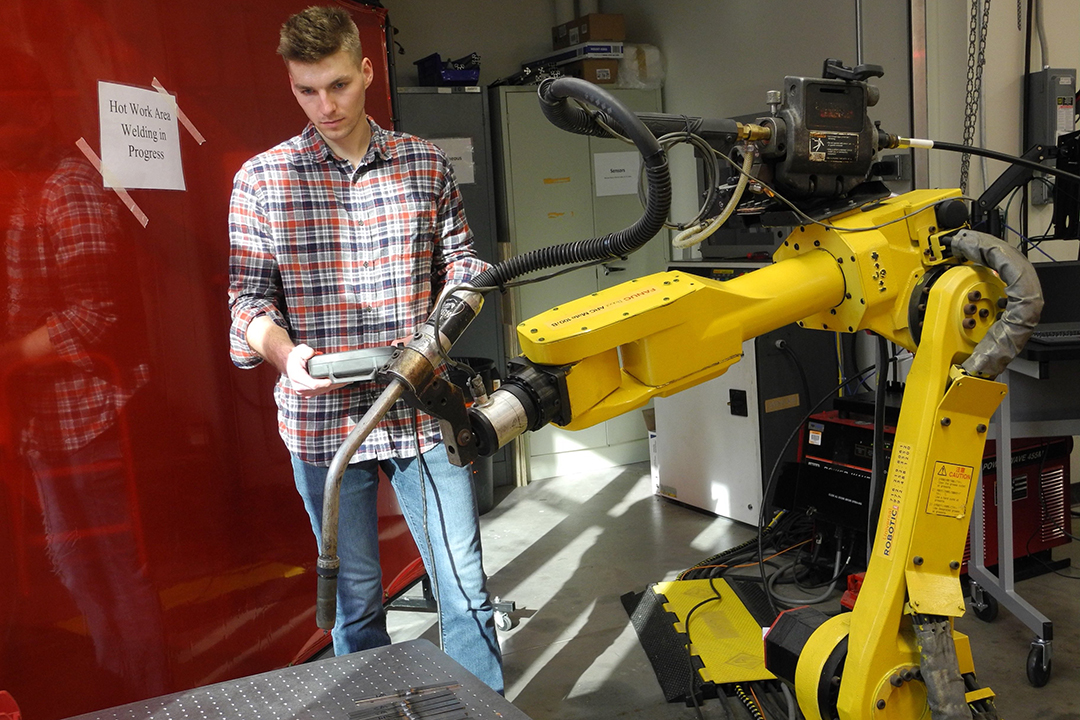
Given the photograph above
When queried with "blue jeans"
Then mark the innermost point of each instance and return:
(93, 541)
(467, 618)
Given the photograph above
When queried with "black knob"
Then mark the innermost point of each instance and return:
(836, 69)
(951, 214)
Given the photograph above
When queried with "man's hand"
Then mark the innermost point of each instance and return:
(30, 347)
(296, 370)
(276, 347)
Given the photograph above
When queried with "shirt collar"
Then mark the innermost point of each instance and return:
(311, 144)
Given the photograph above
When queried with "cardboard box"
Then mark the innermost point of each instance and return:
(594, 26)
(601, 71)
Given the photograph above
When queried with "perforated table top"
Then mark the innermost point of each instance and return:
(333, 688)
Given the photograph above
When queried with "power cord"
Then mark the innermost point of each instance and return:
(750, 701)
(772, 192)
(784, 347)
(767, 495)
(838, 572)
(689, 645)
(421, 470)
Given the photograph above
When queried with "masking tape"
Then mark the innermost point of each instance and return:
(180, 114)
(111, 181)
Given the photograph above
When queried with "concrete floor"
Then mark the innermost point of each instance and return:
(565, 549)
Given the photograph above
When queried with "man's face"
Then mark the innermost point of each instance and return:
(331, 92)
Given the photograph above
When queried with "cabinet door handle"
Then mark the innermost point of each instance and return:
(608, 269)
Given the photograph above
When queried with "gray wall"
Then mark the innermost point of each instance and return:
(947, 27)
(721, 59)
(504, 33)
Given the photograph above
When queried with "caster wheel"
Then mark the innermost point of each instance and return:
(989, 612)
(1036, 673)
(503, 622)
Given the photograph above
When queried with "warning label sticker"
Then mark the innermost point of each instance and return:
(833, 146)
(949, 490)
(1065, 116)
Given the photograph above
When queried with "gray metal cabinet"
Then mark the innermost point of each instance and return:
(551, 190)
(457, 120)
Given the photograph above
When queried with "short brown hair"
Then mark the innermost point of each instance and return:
(317, 33)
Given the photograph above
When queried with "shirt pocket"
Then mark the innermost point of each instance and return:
(408, 232)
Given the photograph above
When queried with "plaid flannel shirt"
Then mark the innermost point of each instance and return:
(65, 262)
(344, 258)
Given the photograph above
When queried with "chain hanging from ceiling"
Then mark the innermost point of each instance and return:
(976, 61)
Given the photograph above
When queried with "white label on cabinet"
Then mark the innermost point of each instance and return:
(616, 173)
(460, 153)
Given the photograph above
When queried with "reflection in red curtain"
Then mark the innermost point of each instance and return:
(151, 538)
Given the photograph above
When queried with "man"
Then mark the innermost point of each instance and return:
(72, 357)
(341, 238)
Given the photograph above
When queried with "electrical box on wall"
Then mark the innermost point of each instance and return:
(1050, 114)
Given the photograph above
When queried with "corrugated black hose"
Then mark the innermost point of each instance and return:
(554, 100)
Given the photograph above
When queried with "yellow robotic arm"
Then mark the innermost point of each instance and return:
(605, 354)
(902, 267)
(663, 333)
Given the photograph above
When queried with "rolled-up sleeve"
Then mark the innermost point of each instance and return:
(455, 259)
(254, 278)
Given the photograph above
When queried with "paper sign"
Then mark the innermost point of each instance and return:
(460, 153)
(140, 144)
(616, 173)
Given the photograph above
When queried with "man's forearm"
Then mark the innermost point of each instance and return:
(271, 341)
(275, 346)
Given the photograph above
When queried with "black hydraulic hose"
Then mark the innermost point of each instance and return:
(554, 100)
(574, 119)
(1025, 101)
(1004, 157)
(554, 103)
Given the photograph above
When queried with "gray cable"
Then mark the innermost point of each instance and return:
(791, 708)
(806, 601)
(1007, 336)
(421, 469)
(1040, 27)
